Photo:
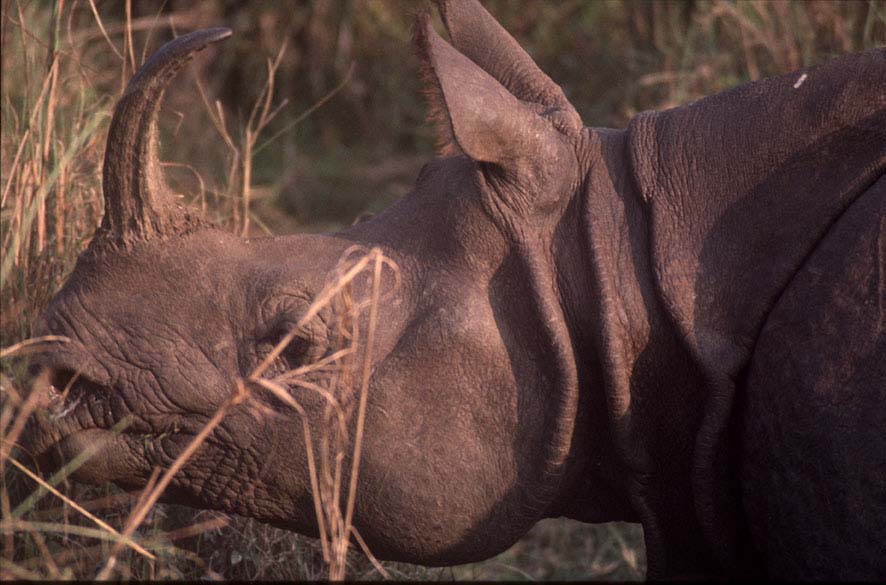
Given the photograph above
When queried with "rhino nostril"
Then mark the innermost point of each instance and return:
(34, 370)
(63, 379)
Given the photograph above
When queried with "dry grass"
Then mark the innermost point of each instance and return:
(57, 159)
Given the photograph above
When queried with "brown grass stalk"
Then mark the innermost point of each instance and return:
(110, 501)
(361, 412)
(104, 32)
(30, 343)
(283, 395)
(263, 113)
(9, 440)
(13, 525)
(334, 527)
(98, 521)
(47, 557)
(156, 543)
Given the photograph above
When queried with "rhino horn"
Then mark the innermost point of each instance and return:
(138, 205)
(479, 37)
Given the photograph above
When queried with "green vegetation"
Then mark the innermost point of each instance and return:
(311, 115)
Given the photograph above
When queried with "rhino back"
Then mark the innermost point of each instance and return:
(739, 189)
(812, 411)
(741, 185)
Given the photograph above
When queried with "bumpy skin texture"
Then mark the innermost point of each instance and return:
(680, 323)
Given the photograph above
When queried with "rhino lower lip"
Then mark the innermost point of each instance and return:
(59, 443)
(109, 455)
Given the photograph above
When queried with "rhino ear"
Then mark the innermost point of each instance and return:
(486, 121)
(477, 35)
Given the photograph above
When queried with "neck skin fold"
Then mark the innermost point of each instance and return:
(642, 396)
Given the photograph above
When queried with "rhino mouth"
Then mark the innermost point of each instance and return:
(79, 413)
(68, 390)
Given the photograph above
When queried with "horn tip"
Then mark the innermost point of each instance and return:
(216, 34)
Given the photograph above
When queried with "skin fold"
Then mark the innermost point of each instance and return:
(631, 324)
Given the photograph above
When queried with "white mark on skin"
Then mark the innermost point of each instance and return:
(800, 81)
(66, 411)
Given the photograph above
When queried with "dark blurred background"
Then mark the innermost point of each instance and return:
(363, 147)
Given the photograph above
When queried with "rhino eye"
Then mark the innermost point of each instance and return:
(296, 352)
(291, 357)
(304, 348)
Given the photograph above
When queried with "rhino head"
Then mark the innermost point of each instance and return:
(474, 396)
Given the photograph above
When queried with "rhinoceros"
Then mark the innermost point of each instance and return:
(679, 323)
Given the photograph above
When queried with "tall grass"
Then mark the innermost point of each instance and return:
(52, 204)
(64, 64)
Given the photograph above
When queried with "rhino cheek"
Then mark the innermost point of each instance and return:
(440, 465)
(255, 466)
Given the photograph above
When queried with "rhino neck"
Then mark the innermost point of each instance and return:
(641, 389)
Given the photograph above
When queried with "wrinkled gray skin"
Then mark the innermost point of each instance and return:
(679, 323)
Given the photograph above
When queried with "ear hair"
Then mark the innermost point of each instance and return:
(431, 90)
